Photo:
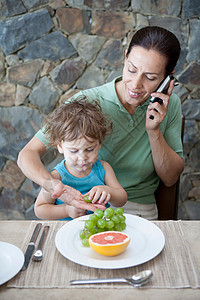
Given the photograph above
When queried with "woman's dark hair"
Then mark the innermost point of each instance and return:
(159, 39)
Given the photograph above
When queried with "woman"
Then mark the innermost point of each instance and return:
(145, 145)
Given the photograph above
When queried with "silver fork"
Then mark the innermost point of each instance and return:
(38, 255)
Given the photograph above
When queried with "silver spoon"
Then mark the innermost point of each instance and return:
(137, 280)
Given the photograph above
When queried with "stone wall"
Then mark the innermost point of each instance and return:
(49, 50)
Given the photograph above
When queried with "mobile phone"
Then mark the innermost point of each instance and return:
(163, 87)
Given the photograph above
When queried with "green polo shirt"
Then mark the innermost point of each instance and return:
(127, 148)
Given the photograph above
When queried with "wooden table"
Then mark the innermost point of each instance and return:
(14, 231)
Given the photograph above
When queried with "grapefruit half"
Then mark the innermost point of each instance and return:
(109, 243)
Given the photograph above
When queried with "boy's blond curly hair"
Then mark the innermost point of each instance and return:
(75, 119)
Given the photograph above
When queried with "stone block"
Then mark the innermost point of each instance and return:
(92, 77)
(21, 94)
(191, 133)
(194, 42)
(191, 9)
(11, 176)
(30, 188)
(44, 95)
(67, 95)
(2, 162)
(66, 74)
(56, 4)
(181, 91)
(195, 93)
(24, 74)
(53, 46)
(172, 24)
(70, 19)
(49, 156)
(7, 94)
(3, 214)
(195, 157)
(12, 60)
(87, 45)
(17, 125)
(47, 68)
(16, 32)
(30, 214)
(51, 164)
(2, 64)
(164, 7)
(185, 187)
(113, 75)
(141, 21)
(181, 61)
(191, 109)
(12, 148)
(192, 209)
(182, 214)
(11, 214)
(27, 200)
(109, 24)
(111, 56)
(194, 193)
(108, 5)
(30, 4)
(191, 74)
(11, 199)
(11, 8)
(77, 3)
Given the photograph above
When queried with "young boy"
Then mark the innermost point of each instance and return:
(77, 129)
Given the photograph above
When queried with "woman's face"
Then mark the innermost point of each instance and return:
(143, 71)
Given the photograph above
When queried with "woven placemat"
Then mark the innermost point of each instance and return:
(174, 267)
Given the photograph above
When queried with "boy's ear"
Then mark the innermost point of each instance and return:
(60, 149)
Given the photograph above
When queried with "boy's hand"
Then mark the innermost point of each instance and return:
(99, 194)
(75, 212)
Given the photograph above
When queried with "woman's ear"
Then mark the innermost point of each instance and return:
(60, 149)
(126, 54)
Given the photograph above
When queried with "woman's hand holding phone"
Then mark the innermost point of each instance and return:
(159, 102)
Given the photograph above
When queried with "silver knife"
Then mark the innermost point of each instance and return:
(31, 246)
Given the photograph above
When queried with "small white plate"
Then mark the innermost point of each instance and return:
(11, 261)
(147, 241)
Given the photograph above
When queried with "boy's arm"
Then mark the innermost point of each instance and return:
(116, 195)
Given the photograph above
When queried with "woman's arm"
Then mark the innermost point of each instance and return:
(45, 207)
(168, 164)
(112, 191)
(29, 161)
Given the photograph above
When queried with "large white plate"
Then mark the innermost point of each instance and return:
(11, 261)
(147, 241)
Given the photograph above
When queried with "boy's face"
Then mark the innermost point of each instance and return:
(80, 155)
